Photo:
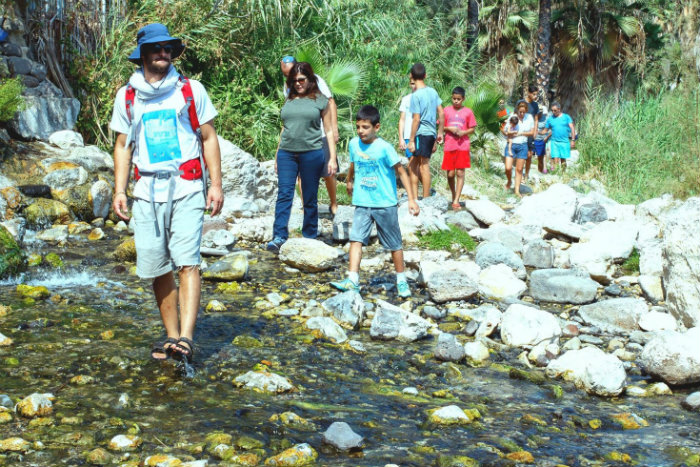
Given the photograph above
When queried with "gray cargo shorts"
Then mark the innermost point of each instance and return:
(156, 256)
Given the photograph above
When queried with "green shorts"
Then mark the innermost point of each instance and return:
(179, 247)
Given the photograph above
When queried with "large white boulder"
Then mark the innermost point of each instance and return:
(557, 202)
(498, 282)
(590, 369)
(525, 326)
(616, 315)
(391, 322)
(673, 356)
(308, 254)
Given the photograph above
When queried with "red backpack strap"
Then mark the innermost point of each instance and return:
(129, 97)
(189, 101)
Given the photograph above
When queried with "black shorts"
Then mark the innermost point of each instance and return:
(424, 145)
(531, 144)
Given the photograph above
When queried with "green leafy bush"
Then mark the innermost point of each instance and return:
(10, 98)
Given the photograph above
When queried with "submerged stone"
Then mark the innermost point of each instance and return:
(126, 251)
(215, 306)
(98, 456)
(450, 415)
(629, 421)
(297, 456)
(5, 341)
(341, 436)
(264, 381)
(37, 292)
(232, 267)
(35, 405)
(162, 460)
(15, 445)
(292, 419)
(125, 443)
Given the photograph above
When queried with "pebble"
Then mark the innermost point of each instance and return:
(692, 402)
(357, 346)
(5, 341)
(264, 381)
(588, 339)
(342, 437)
(411, 391)
(215, 306)
(14, 445)
(35, 405)
(124, 442)
(433, 312)
(301, 454)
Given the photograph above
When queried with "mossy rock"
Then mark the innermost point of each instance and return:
(77, 199)
(457, 461)
(126, 251)
(44, 212)
(54, 260)
(11, 259)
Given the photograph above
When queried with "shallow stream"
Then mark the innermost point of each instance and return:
(70, 334)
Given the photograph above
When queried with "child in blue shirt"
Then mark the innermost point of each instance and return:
(371, 181)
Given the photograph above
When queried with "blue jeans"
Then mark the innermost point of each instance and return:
(308, 166)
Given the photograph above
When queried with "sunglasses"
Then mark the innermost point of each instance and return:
(299, 80)
(156, 48)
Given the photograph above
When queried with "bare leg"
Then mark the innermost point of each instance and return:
(563, 165)
(540, 163)
(451, 182)
(355, 256)
(397, 258)
(414, 172)
(527, 164)
(509, 171)
(331, 186)
(459, 185)
(190, 289)
(166, 297)
(519, 163)
(425, 175)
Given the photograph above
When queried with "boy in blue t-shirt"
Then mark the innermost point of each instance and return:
(371, 181)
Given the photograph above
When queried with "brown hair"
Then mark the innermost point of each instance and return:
(302, 68)
(523, 104)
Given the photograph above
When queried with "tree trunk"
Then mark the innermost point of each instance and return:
(543, 63)
(473, 23)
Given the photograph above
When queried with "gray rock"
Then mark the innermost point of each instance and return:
(218, 238)
(657, 321)
(613, 289)
(490, 253)
(476, 352)
(485, 211)
(448, 349)
(329, 328)
(557, 202)
(652, 288)
(308, 254)
(6, 401)
(562, 286)
(673, 356)
(433, 312)
(342, 223)
(590, 212)
(38, 71)
(238, 207)
(101, 198)
(341, 436)
(681, 273)
(232, 267)
(430, 266)
(43, 116)
(436, 202)
(63, 176)
(538, 254)
(445, 286)
(504, 234)
(391, 322)
(590, 369)
(615, 316)
(258, 229)
(567, 229)
(346, 307)
(428, 220)
(524, 326)
(65, 139)
(692, 402)
(19, 65)
(357, 346)
(91, 157)
(462, 219)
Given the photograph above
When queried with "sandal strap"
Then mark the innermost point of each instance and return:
(186, 341)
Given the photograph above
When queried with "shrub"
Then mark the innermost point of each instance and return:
(445, 239)
(10, 98)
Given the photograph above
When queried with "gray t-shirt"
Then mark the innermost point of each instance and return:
(425, 101)
(302, 123)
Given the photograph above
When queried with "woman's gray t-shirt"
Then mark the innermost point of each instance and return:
(302, 123)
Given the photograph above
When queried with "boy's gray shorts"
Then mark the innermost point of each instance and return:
(387, 220)
(156, 256)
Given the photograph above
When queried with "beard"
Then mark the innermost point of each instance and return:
(159, 67)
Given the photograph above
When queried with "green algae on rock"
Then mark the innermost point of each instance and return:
(44, 212)
(296, 456)
(36, 292)
(126, 251)
(11, 258)
(15, 445)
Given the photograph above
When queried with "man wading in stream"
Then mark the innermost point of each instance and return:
(164, 122)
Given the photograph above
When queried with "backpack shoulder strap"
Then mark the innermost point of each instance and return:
(129, 97)
(189, 101)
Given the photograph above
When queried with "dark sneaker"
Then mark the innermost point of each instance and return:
(274, 245)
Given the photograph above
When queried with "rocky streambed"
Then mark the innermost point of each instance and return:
(78, 386)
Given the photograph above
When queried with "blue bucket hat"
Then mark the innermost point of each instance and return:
(151, 34)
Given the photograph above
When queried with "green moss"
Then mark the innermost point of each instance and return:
(10, 98)
(457, 461)
(445, 239)
(532, 376)
(11, 259)
(631, 264)
(54, 260)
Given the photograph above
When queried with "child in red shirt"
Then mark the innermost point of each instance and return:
(459, 124)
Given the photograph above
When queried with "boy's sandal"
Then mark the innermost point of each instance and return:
(456, 206)
(184, 351)
(163, 348)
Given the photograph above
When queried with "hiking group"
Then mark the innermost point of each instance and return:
(164, 127)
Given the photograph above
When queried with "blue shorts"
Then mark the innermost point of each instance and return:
(540, 147)
(561, 149)
(519, 151)
(388, 230)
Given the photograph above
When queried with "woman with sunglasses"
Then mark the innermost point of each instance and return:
(300, 152)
